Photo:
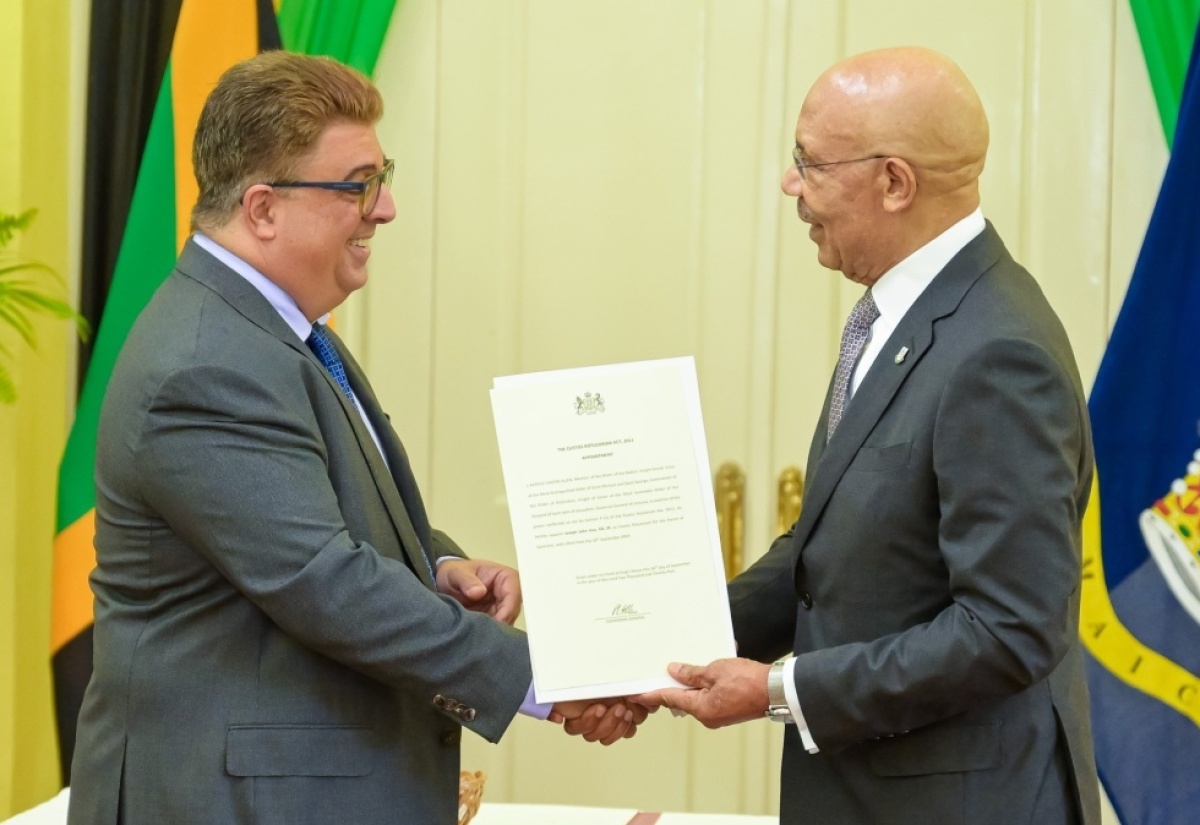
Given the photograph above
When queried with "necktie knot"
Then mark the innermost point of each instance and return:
(854, 341)
(322, 346)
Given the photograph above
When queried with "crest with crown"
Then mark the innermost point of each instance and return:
(1171, 528)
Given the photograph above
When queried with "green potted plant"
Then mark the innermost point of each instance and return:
(23, 293)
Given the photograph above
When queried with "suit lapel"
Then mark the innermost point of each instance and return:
(397, 487)
(874, 395)
(817, 448)
(885, 377)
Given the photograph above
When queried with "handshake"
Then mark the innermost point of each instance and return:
(725, 692)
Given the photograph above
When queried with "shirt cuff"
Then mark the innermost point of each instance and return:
(793, 703)
(531, 708)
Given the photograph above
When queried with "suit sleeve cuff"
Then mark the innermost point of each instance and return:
(793, 702)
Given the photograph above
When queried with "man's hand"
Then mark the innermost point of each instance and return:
(729, 691)
(482, 586)
(600, 720)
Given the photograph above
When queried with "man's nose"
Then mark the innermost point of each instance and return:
(385, 208)
(791, 182)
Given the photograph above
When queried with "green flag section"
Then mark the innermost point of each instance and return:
(210, 36)
(1165, 28)
(1141, 557)
(351, 31)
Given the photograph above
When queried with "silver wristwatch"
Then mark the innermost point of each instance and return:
(777, 706)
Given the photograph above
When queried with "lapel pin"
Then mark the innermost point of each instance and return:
(901, 355)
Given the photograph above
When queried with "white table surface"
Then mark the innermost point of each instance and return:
(54, 812)
(508, 814)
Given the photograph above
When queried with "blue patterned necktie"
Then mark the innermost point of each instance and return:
(322, 346)
(854, 340)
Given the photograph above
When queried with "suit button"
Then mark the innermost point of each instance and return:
(806, 601)
(439, 701)
(468, 714)
(450, 738)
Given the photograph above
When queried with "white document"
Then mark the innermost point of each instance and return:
(611, 502)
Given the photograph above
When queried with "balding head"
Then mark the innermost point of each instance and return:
(915, 112)
(912, 103)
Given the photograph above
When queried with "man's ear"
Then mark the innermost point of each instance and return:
(900, 184)
(259, 211)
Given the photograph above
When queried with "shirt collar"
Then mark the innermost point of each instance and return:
(280, 300)
(898, 289)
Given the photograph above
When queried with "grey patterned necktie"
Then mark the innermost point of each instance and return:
(854, 340)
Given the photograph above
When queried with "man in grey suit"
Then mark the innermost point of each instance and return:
(930, 588)
(280, 635)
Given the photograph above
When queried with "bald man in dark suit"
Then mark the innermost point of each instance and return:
(930, 589)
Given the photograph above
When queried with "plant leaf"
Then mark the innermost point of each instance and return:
(8, 391)
(21, 296)
(19, 321)
(23, 265)
(41, 303)
(12, 224)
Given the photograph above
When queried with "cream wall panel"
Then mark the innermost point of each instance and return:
(1139, 159)
(612, 116)
(808, 313)
(1066, 214)
(725, 218)
(390, 323)
(10, 101)
(746, 53)
(45, 377)
(473, 260)
(10, 193)
(742, 353)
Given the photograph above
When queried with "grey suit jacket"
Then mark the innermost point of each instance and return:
(269, 647)
(930, 588)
